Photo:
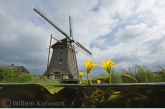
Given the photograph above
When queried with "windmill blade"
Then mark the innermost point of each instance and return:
(70, 26)
(73, 48)
(38, 10)
(81, 48)
(78, 45)
(49, 50)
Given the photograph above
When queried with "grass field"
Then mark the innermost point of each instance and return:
(138, 74)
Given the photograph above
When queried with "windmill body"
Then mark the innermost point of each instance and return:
(63, 63)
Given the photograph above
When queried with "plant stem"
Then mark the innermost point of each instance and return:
(87, 78)
(109, 77)
(80, 79)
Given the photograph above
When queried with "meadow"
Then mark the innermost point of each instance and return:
(137, 74)
(97, 96)
(12, 77)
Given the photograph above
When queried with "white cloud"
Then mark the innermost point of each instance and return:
(131, 32)
(137, 28)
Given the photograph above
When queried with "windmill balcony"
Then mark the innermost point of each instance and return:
(69, 80)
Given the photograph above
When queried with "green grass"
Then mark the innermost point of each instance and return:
(53, 89)
(43, 80)
(138, 74)
(8, 75)
(11, 76)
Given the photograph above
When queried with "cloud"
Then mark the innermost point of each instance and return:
(125, 31)
(131, 32)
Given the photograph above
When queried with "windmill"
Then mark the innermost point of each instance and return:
(63, 63)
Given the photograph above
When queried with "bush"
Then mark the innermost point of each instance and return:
(25, 77)
(43, 80)
(8, 75)
(35, 79)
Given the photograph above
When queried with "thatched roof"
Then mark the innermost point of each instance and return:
(19, 68)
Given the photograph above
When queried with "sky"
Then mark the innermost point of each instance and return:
(129, 32)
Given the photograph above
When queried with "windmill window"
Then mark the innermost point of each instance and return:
(56, 76)
(60, 61)
(61, 48)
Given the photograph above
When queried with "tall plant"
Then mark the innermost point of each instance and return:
(81, 74)
(108, 67)
(90, 65)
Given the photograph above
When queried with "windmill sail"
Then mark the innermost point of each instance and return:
(63, 63)
(82, 51)
(38, 10)
(73, 48)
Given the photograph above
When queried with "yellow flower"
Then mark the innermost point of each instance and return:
(81, 74)
(98, 81)
(108, 65)
(90, 65)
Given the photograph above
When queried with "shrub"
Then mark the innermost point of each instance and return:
(35, 79)
(8, 75)
(25, 77)
(43, 80)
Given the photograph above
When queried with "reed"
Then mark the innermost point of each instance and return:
(138, 74)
